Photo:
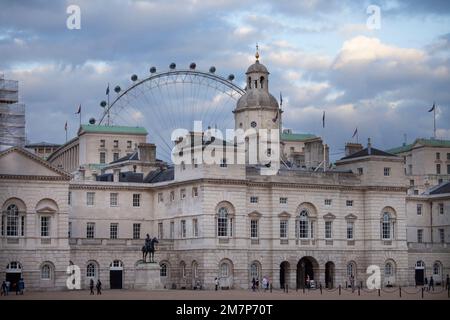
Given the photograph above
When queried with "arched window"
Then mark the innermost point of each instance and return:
(436, 269)
(222, 222)
(12, 221)
(254, 271)
(303, 225)
(351, 269)
(386, 226)
(14, 266)
(183, 269)
(388, 269)
(46, 272)
(163, 270)
(195, 269)
(420, 264)
(224, 270)
(261, 80)
(91, 270)
(249, 82)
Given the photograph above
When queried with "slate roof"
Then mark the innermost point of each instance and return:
(421, 142)
(365, 152)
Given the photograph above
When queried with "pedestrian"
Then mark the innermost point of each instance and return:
(426, 282)
(99, 287)
(91, 286)
(257, 284)
(8, 286)
(352, 283)
(21, 286)
(16, 287)
(216, 283)
(307, 281)
(447, 282)
(3, 293)
(264, 283)
(253, 284)
(431, 285)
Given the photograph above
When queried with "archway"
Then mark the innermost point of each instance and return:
(13, 274)
(306, 268)
(284, 274)
(116, 274)
(329, 274)
(420, 273)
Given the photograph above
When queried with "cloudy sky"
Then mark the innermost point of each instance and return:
(321, 56)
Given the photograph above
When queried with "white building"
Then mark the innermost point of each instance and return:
(226, 221)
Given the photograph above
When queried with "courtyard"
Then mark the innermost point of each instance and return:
(408, 293)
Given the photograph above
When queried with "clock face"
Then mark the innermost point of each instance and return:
(253, 124)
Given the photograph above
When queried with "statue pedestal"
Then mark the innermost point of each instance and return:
(147, 277)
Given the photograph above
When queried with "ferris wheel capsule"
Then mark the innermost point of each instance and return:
(134, 77)
(172, 66)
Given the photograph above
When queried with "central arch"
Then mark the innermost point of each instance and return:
(307, 267)
(284, 274)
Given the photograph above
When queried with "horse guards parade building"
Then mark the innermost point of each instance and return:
(91, 202)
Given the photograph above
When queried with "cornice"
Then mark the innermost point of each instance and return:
(33, 177)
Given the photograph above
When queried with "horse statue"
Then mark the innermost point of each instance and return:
(149, 247)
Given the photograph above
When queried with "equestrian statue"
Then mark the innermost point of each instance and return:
(149, 247)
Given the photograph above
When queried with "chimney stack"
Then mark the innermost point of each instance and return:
(369, 147)
(351, 148)
(147, 152)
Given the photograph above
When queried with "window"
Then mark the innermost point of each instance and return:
(440, 181)
(441, 208)
(136, 200)
(351, 269)
(12, 221)
(160, 197)
(303, 225)
(223, 163)
(160, 230)
(113, 199)
(441, 236)
(136, 230)
(90, 198)
(420, 235)
(182, 194)
(416, 192)
(349, 203)
(448, 156)
(163, 270)
(386, 226)
(69, 198)
(438, 156)
(129, 144)
(90, 230)
(438, 168)
(195, 192)
(360, 171)
(411, 183)
(350, 230)
(183, 269)
(22, 225)
(327, 202)
(387, 172)
(183, 165)
(253, 199)
(388, 270)
(410, 168)
(436, 269)
(448, 169)
(113, 230)
(328, 228)
(115, 156)
(102, 143)
(45, 226)
(419, 209)
(283, 200)
(172, 195)
(116, 143)
(183, 228)
(172, 229)
(224, 223)
(102, 157)
(254, 271)
(283, 229)
(45, 272)
(3, 226)
(69, 233)
(195, 227)
(91, 270)
(224, 270)
(254, 229)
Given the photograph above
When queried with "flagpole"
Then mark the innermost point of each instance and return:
(434, 118)
(357, 135)
(108, 104)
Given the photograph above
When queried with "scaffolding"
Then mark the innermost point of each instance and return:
(12, 115)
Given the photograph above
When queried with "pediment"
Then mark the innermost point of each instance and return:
(20, 162)
(351, 216)
(46, 210)
(329, 216)
(284, 214)
(255, 214)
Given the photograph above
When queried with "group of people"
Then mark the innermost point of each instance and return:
(17, 286)
(98, 286)
(265, 284)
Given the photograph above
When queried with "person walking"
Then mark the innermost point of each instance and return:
(99, 287)
(264, 283)
(253, 284)
(426, 283)
(447, 282)
(91, 286)
(21, 286)
(3, 288)
(8, 286)
(257, 284)
(216, 283)
(431, 285)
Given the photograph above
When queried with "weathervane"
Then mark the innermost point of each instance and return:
(257, 52)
